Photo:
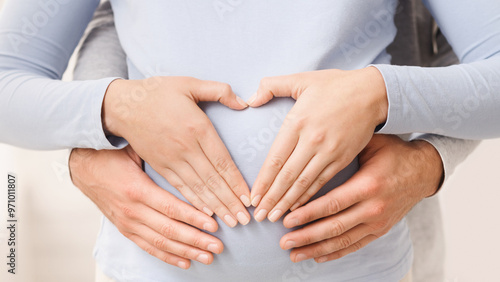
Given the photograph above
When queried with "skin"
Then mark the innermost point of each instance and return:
(161, 120)
(152, 218)
(307, 153)
(312, 146)
(394, 175)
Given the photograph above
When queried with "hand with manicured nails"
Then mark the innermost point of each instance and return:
(152, 218)
(394, 176)
(333, 119)
(161, 120)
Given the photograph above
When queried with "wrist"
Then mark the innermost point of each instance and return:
(433, 165)
(110, 115)
(378, 91)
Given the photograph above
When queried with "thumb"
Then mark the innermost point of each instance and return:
(277, 86)
(208, 91)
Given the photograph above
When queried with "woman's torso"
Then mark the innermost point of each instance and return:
(240, 42)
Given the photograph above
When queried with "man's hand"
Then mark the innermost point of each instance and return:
(393, 177)
(333, 119)
(161, 120)
(152, 218)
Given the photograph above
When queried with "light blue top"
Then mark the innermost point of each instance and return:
(239, 42)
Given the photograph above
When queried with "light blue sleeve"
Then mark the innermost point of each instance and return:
(460, 101)
(37, 109)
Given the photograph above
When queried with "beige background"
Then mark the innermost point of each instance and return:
(58, 224)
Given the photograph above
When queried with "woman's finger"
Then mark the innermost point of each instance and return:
(195, 183)
(217, 153)
(284, 180)
(283, 146)
(192, 198)
(321, 180)
(219, 187)
(301, 185)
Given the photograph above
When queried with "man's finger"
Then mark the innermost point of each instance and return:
(162, 255)
(351, 249)
(331, 203)
(323, 229)
(284, 180)
(174, 247)
(216, 152)
(181, 232)
(349, 240)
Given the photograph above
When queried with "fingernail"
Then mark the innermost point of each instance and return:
(230, 220)
(295, 206)
(245, 200)
(261, 215)
(241, 101)
(256, 200)
(322, 260)
(208, 227)
(289, 244)
(213, 248)
(207, 211)
(243, 218)
(275, 215)
(182, 264)
(203, 258)
(252, 99)
(300, 257)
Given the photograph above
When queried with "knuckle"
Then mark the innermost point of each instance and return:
(303, 182)
(197, 241)
(322, 248)
(134, 194)
(222, 165)
(287, 175)
(270, 201)
(373, 185)
(322, 180)
(214, 181)
(318, 138)
(265, 83)
(128, 212)
(198, 188)
(378, 209)
(225, 89)
(356, 246)
(276, 162)
(333, 206)
(159, 243)
(168, 209)
(344, 242)
(167, 230)
(336, 228)
(150, 250)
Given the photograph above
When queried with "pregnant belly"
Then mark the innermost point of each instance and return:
(254, 248)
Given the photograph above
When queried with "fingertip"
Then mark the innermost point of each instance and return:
(256, 200)
(210, 227)
(252, 99)
(184, 264)
(245, 200)
(241, 102)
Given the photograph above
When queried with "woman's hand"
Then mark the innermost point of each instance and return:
(333, 119)
(161, 120)
(152, 218)
(393, 177)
